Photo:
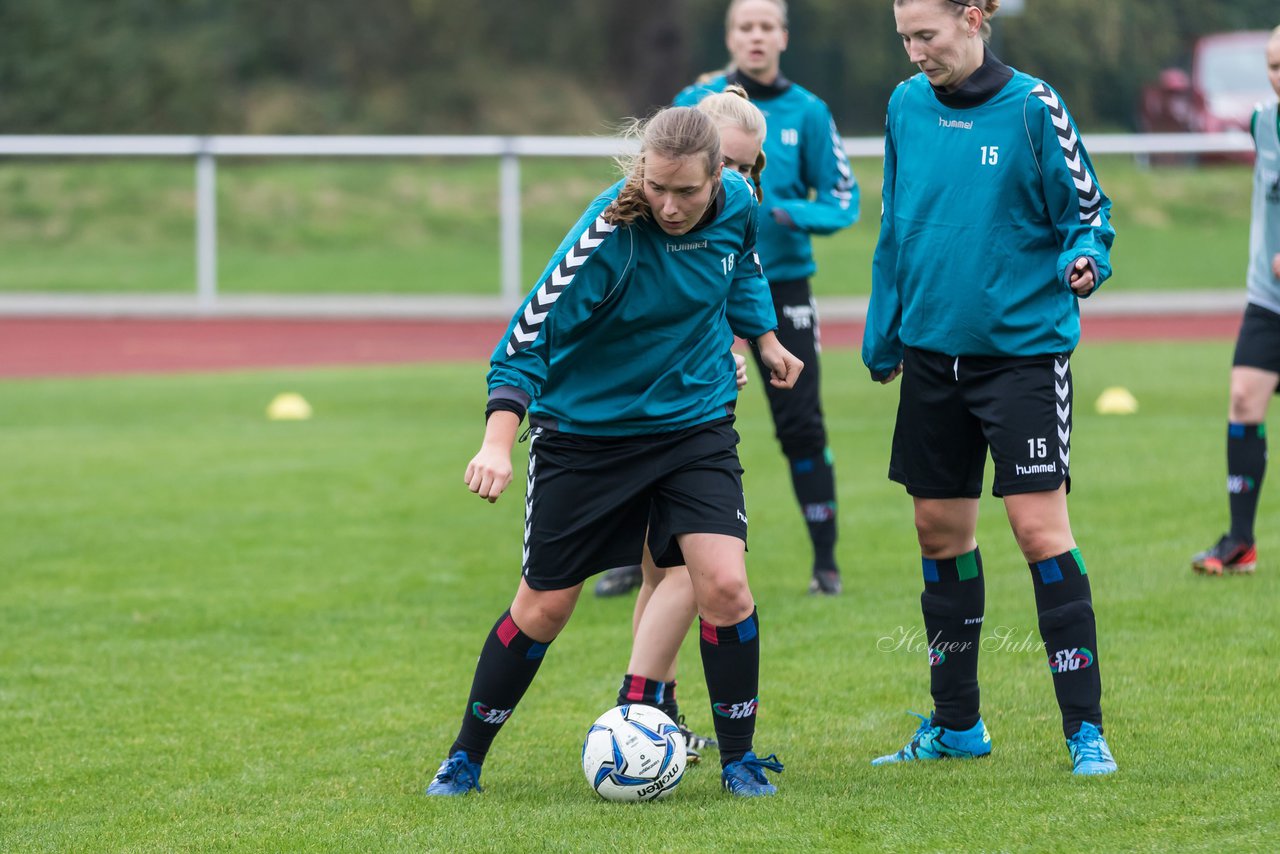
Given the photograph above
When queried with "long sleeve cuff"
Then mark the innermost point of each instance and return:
(507, 399)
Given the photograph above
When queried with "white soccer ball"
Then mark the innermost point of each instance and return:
(633, 753)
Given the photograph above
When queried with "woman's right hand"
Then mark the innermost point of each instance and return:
(893, 375)
(784, 368)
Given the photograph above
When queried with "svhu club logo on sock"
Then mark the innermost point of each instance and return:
(736, 710)
(490, 716)
(1067, 660)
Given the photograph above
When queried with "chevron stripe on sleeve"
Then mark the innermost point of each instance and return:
(844, 187)
(527, 328)
(1086, 188)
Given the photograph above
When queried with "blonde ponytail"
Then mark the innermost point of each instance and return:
(733, 108)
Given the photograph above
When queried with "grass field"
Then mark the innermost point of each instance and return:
(228, 634)
(430, 226)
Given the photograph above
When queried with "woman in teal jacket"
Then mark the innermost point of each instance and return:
(808, 189)
(993, 227)
(621, 358)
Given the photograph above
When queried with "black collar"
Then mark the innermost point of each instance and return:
(981, 86)
(756, 90)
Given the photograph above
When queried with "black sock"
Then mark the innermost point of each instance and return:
(508, 662)
(1065, 607)
(1246, 464)
(731, 662)
(650, 692)
(953, 602)
(814, 481)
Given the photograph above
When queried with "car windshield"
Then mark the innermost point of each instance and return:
(1236, 67)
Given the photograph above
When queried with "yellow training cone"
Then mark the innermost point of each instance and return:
(289, 406)
(1116, 400)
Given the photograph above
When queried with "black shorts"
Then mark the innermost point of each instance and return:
(590, 499)
(951, 410)
(797, 411)
(1258, 344)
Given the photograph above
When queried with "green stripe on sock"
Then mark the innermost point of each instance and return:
(1075, 553)
(967, 565)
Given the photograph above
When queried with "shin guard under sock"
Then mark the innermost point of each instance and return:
(731, 662)
(508, 662)
(814, 481)
(1065, 607)
(1246, 465)
(953, 603)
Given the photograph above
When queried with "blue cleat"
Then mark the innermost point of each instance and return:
(745, 778)
(1089, 752)
(935, 742)
(457, 776)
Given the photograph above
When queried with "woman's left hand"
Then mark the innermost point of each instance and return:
(784, 368)
(740, 363)
(1081, 277)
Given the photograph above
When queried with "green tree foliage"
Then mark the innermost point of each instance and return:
(508, 66)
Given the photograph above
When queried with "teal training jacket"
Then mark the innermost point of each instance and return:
(629, 330)
(989, 196)
(806, 171)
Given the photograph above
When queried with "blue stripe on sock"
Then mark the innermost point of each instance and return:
(747, 630)
(1050, 572)
(657, 695)
(537, 650)
(930, 568)
(1235, 431)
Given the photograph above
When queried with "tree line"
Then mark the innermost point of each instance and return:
(519, 66)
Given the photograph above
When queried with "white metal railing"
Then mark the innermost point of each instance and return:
(508, 149)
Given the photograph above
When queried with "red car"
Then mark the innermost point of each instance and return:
(1228, 79)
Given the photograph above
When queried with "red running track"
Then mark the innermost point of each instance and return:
(47, 347)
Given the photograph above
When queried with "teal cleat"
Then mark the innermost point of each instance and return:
(935, 742)
(745, 778)
(1089, 752)
(457, 776)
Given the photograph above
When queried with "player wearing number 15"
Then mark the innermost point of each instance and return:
(993, 227)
